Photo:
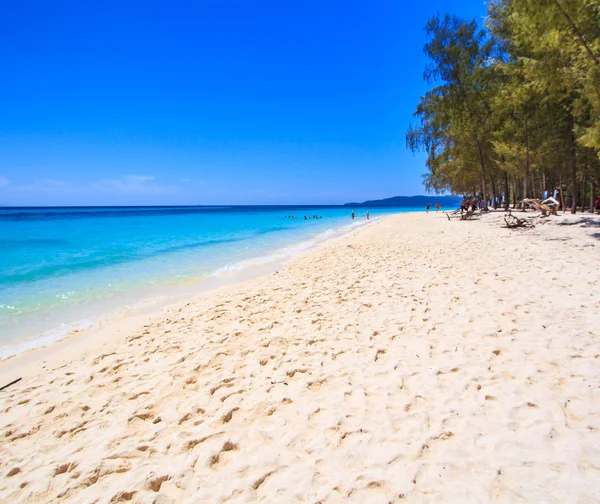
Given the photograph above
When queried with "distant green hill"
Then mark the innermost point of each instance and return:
(403, 201)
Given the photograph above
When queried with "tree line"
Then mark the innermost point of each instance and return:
(514, 107)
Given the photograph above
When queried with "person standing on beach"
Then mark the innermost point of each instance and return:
(464, 205)
(367, 215)
(427, 208)
(437, 207)
(352, 214)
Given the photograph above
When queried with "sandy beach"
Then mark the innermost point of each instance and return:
(416, 359)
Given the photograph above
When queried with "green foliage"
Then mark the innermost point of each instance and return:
(454, 116)
(521, 98)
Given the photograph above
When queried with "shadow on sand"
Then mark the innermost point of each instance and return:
(583, 222)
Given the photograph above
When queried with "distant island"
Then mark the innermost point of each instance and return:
(411, 201)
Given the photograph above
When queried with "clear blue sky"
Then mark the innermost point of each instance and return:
(211, 102)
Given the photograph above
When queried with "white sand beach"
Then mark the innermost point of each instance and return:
(413, 360)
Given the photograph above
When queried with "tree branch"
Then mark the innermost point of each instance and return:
(577, 32)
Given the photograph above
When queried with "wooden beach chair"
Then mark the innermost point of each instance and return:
(537, 205)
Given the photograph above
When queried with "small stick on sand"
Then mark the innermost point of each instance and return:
(11, 383)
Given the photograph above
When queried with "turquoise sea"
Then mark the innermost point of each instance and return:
(64, 268)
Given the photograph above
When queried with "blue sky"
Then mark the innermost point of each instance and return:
(211, 102)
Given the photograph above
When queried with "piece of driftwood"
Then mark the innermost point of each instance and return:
(451, 214)
(466, 215)
(512, 221)
(470, 214)
(11, 383)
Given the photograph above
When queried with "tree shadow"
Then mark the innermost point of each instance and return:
(583, 222)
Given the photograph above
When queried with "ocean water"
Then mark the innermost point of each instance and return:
(63, 269)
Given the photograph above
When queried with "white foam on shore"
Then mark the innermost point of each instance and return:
(282, 253)
(45, 339)
(63, 331)
(289, 251)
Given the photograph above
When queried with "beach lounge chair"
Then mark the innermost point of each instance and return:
(538, 205)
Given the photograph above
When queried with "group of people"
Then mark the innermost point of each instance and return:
(468, 203)
(293, 217)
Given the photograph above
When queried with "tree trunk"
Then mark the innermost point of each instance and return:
(493, 193)
(526, 178)
(592, 191)
(573, 163)
(506, 192)
(482, 166)
(544, 183)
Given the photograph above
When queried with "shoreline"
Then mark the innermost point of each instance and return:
(106, 329)
(41, 317)
(416, 359)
